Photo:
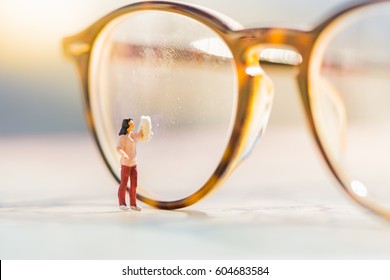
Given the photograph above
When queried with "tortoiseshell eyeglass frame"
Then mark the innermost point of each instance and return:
(246, 46)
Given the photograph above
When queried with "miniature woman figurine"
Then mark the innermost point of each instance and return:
(127, 149)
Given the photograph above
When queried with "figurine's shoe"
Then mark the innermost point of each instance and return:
(124, 207)
(135, 208)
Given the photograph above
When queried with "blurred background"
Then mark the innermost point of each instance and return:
(58, 200)
(39, 88)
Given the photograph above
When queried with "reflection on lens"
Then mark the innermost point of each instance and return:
(181, 74)
(350, 94)
(359, 188)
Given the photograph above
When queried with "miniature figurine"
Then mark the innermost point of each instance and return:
(127, 149)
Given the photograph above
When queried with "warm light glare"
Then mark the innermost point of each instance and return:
(32, 31)
(40, 18)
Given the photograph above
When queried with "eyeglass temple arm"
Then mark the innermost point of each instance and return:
(280, 56)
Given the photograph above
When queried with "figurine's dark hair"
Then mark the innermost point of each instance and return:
(125, 126)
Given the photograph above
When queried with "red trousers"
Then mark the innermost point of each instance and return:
(126, 172)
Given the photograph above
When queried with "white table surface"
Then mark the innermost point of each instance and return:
(58, 201)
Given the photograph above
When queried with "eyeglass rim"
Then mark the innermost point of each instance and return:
(337, 171)
(235, 146)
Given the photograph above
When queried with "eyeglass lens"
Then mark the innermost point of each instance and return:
(351, 98)
(179, 72)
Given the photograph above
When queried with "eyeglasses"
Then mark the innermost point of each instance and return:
(202, 79)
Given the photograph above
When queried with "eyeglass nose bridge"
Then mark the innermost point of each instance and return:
(255, 100)
(287, 51)
(276, 48)
(264, 49)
